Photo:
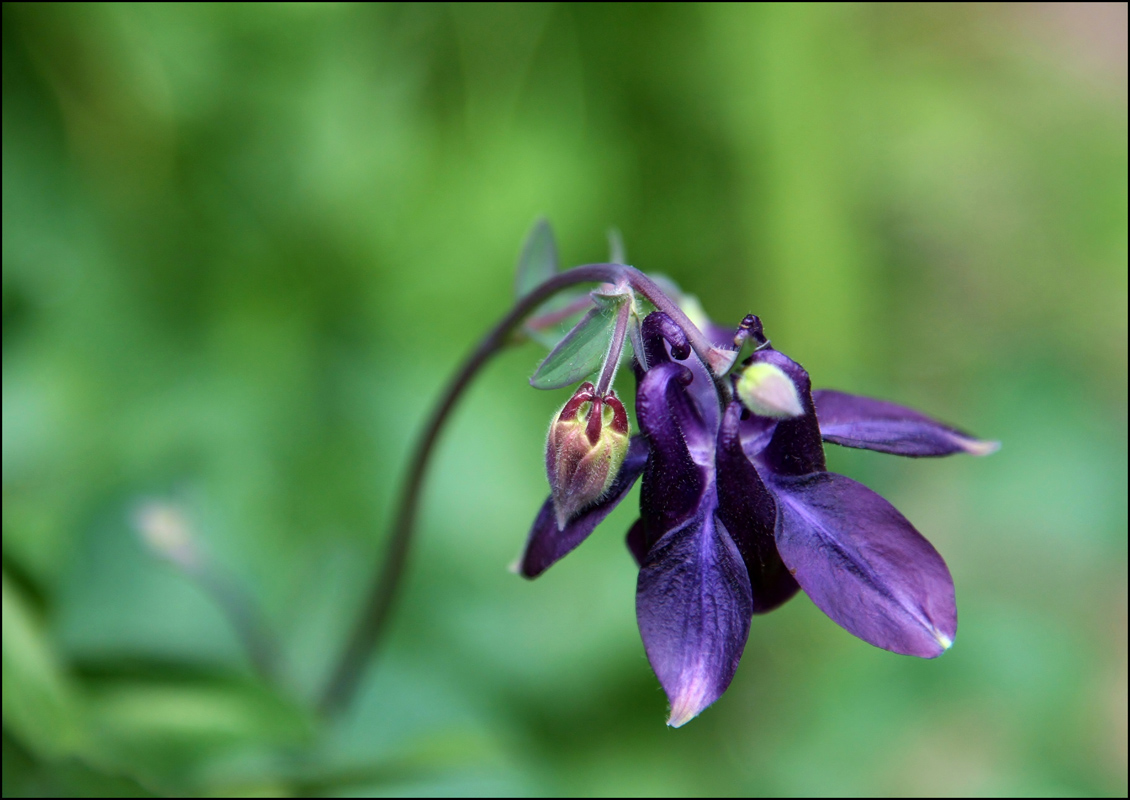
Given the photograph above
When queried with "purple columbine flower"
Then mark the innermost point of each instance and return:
(737, 510)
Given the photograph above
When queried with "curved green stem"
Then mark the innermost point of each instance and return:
(347, 673)
(615, 350)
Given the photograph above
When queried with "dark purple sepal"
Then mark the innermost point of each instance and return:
(749, 514)
(673, 482)
(693, 605)
(547, 543)
(795, 447)
(853, 421)
(864, 565)
(663, 341)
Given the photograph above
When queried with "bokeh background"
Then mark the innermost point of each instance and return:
(243, 247)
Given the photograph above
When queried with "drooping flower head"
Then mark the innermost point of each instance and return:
(737, 510)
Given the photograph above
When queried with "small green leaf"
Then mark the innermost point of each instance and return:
(579, 354)
(538, 261)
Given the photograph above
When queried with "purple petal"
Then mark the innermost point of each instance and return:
(756, 433)
(864, 565)
(854, 421)
(747, 510)
(795, 447)
(673, 482)
(693, 605)
(547, 543)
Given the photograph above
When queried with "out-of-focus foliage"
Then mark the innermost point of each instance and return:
(244, 245)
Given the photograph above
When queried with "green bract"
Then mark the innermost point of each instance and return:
(584, 349)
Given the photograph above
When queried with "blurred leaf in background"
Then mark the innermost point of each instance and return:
(243, 247)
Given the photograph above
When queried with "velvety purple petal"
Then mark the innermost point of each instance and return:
(756, 433)
(749, 514)
(693, 605)
(547, 543)
(795, 447)
(854, 421)
(702, 391)
(673, 482)
(864, 565)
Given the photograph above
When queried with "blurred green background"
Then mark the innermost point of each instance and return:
(244, 246)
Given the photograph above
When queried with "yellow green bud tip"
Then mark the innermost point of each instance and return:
(766, 390)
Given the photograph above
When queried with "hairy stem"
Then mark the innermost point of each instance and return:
(702, 346)
(615, 349)
(551, 318)
(370, 625)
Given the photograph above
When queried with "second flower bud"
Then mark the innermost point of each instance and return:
(587, 443)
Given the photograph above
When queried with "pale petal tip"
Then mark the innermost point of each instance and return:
(689, 703)
(564, 508)
(515, 566)
(945, 641)
(681, 715)
(979, 447)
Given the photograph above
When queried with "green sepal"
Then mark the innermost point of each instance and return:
(579, 354)
(584, 348)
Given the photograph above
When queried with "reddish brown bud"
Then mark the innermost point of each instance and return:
(586, 445)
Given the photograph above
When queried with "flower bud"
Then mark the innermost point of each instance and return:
(767, 390)
(586, 445)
